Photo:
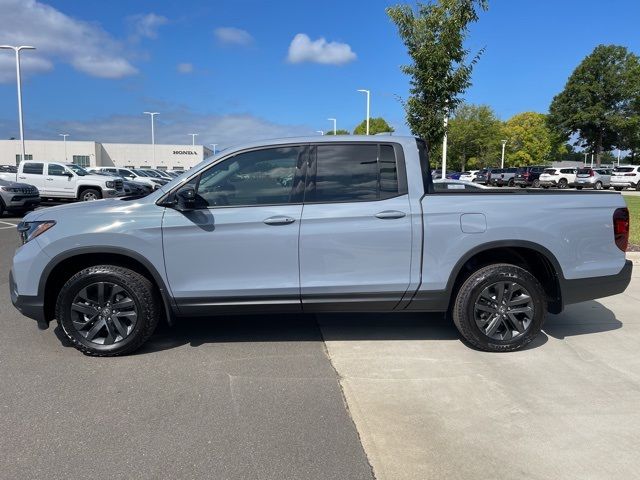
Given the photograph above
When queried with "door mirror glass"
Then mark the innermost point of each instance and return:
(186, 198)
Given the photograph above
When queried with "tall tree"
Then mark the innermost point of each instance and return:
(339, 131)
(597, 100)
(474, 132)
(376, 125)
(529, 140)
(440, 72)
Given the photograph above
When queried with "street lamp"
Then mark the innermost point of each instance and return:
(214, 147)
(334, 125)
(153, 138)
(321, 132)
(504, 142)
(193, 138)
(19, 82)
(444, 145)
(368, 105)
(64, 138)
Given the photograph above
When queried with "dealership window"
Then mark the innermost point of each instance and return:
(129, 166)
(161, 167)
(82, 160)
(180, 169)
(27, 156)
(145, 167)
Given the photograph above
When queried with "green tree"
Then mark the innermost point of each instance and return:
(376, 125)
(474, 133)
(439, 72)
(339, 131)
(597, 101)
(529, 140)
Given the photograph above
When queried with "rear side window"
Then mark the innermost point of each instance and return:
(623, 169)
(550, 171)
(33, 168)
(567, 170)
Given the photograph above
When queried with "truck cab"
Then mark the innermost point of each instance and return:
(68, 181)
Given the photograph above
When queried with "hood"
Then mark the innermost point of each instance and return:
(8, 183)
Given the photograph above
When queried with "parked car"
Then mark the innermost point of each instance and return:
(597, 179)
(163, 173)
(438, 174)
(133, 175)
(261, 228)
(626, 176)
(529, 176)
(558, 177)
(503, 176)
(18, 198)
(482, 177)
(131, 188)
(455, 186)
(468, 176)
(8, 173)
(152, 174)
(68, 181)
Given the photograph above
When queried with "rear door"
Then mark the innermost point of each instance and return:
(33, 174)
(355, 234)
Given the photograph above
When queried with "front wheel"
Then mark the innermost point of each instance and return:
(500, 308)
(107, 310)
(598, 186)
(536, 183)
(511, 183)
(563, 183)
(90, 194)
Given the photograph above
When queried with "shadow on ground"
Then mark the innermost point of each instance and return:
(581, 319)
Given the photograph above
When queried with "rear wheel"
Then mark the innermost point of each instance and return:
(499, 308)
(107, 310)
(511, 182)
(598, 185)
(563, 183)
(536, 183)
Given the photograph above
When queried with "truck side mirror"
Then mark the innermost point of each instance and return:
(186, 199)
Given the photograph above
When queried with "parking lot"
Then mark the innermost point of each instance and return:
(264, 397)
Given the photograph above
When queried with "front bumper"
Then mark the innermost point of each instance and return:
(110, 193)
(19, 201)
(30, 306)
(582, 289)
(622, 184)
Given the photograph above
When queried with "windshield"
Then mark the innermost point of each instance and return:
(151, 173)
(77, 170)
(141, 173)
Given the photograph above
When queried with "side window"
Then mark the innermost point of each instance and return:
(261, 177)
(56, 170)
(346, 173)
(124, 173)
(33, 168)
(388, 172)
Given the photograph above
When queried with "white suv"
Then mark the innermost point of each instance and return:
(558, 177)
(626, 176)
(68, 181)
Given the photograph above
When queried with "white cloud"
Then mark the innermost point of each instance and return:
(28, 63)
(233, 36)
(185, 68)
(145, 25)
(85, 45)
(303, 49)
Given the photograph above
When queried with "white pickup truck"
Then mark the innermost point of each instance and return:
(68, 181)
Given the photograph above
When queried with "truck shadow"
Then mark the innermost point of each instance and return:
(582, 319)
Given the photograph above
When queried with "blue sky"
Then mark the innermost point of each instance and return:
(224, 69)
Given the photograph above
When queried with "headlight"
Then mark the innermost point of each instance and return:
(11, 189)
(30, 230)
(110, 184)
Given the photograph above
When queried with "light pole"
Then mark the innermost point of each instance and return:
(618, 157)
(444, 146)
(321, 132)
(153, 137)
(64, 139)
(334, 125)
(504, 142)
(19, 82)
(214, 147)
(585, 158)
(368, 105)
(193, 139)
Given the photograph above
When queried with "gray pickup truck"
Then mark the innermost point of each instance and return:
(319, 225)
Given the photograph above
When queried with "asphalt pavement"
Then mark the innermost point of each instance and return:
(225, 398)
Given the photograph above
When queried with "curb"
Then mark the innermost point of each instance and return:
(634, 257)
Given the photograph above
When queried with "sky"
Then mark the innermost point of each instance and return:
(241, 70)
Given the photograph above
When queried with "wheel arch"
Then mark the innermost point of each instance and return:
(535, 258)
(63, 266)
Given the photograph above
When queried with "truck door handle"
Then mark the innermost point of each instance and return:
(279, 220)
(390, 214)
(22, 178)
(50, 179)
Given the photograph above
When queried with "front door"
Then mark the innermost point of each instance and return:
(59, 182)
(238, 251)
(355, 235)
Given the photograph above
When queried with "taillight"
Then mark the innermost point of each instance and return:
(591, 173)
(621, 228)
(526, 174)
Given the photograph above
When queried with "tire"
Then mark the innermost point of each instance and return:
(511, 182)
(638, 186)
(563, 183)
(471, 312)
(1, 207)
(81, 313)
(536, 183)
(90, 194)
(545, 187)
(617, 189)
(578, 188)
(598, 186)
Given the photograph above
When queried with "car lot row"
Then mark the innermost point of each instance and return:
(540, 176)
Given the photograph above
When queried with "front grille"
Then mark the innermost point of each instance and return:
(119, 184)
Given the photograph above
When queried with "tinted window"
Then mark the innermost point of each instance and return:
(125, 173)
(33, 168)
(511, 170)
(567, 170)
(261, 177)
(56, 170)
(550, 171)
(346, 173)
(583, 171)
(388, 172)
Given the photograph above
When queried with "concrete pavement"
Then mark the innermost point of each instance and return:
(428, 407)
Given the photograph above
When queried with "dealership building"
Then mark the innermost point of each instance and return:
(95, 154)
